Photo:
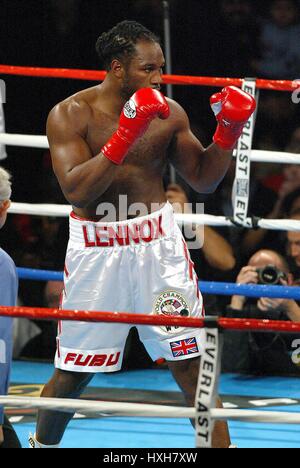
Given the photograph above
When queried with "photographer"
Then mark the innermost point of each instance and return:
(256, 352)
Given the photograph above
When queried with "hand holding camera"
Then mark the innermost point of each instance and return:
(247, 275)
(269, 275)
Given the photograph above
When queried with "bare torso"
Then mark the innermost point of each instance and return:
(140, 177)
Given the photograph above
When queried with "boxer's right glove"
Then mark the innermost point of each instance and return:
(145, 105)
(232, 108)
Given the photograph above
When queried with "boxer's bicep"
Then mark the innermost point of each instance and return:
(67, 145)
(68, 156)
(185, 150)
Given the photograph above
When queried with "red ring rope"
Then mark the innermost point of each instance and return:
(94, 75)
(140, 319)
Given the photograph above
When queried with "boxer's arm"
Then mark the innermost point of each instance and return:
(203, 169)
(82, 177)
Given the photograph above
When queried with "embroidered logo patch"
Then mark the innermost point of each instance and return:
(171, 304)
(242, 188)
(129, 109)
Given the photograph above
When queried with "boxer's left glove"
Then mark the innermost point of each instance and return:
(232, 108)
(145, 105)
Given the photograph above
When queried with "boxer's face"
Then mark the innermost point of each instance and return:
(144, 70)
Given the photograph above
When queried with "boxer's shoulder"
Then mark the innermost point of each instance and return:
(78, 110)
(178, 116)
(75, 112)
(70, 108)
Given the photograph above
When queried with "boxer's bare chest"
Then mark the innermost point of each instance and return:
(150, 149)
(139, 178)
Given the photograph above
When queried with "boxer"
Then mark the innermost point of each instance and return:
(110, 141)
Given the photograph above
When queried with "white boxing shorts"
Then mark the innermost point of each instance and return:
(141, 265)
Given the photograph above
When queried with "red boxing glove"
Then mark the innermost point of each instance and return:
(144, 106)
(232, 108)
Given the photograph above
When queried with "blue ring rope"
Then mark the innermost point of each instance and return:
(206, 287)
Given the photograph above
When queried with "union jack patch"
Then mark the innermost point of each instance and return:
(184, 347)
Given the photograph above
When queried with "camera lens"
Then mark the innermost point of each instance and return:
(269, 275)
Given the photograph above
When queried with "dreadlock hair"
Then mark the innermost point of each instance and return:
(119, 42)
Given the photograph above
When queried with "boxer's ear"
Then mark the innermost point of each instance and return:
(117, 68)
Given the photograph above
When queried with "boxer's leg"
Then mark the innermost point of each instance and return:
(63, 384)
(186, 375)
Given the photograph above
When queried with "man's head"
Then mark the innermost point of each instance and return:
(236, 12)
(284, 12)
(5, 194)
(264, 258)
(132, 54)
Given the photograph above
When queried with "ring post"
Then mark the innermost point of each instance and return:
(241, 186)
(167, 44)
(208, 382)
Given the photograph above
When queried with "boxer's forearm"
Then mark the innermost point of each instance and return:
(88, 181)
(214, 162)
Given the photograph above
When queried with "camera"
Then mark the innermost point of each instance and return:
(270, 274)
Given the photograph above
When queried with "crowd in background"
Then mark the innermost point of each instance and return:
(232, 38)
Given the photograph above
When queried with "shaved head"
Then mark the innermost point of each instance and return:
(263, 258)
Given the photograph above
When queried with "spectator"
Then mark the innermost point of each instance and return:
(234, 43)
(261, 203)
(8, 297)
(286, 202)
(280, 37)
(262, 353)
(293, 248)
(287, 183)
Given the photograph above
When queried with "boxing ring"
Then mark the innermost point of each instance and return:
(205, 401)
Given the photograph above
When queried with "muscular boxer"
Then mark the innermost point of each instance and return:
(111, 141)
(8, 297)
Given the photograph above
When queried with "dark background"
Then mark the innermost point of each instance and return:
(206, 40)
(62, 33)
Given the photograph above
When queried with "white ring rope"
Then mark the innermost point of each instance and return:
(199, 219)
(40, 141)
(40, 209)
(32, 141)
(278, 157)
(107, 407)
(113, 409)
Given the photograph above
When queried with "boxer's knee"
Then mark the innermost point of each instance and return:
(66, 384)
(186, 375)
